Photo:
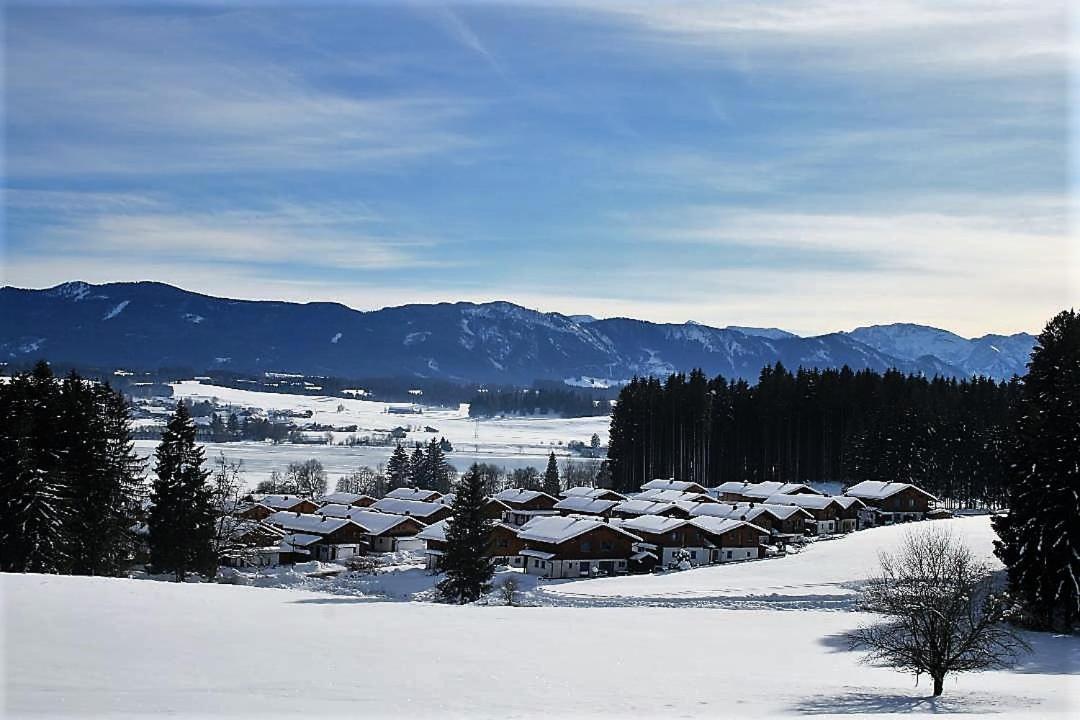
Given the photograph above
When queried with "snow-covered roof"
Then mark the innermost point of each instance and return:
(434, 531)
(585, 505)
(376, 523)
(847, 501)
(637, 506)
(237, 529)
(557, 529)
(677, 485)
(415, 508)
(298, 540)
(447, 499)
(763, 489)
(736, 511)
(653, 524)
(420, 494)
(812, 502)
(879, 490)
(588, 492)
(335, 510)
(304, 523)
(520, 495)
(537, 554)
(278, 502)
(718, 526)
(671, 496)
(342, 498)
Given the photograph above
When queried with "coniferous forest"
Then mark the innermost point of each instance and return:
(817, 425)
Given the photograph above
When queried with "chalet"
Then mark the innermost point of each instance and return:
(756, 492)
(290, 503)
(386, 532)
(634, 507)
(404, 493)
(677, 485)
(732, 539)
(504, 548)
(825, 509)
(592, 493)
(524, 505)
(852, 514)
(570, 547)
(250, 543)
(665, 537)
(784, 522)
(578, 505)
(425, 512)
(253, 511)
(338, 538)
(893, 501)
(345, 498)
(671, 496)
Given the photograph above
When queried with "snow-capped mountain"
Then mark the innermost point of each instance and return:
(152, 325)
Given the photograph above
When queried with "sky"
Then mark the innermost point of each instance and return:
(811, 165)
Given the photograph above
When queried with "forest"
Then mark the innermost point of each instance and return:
(945, 435)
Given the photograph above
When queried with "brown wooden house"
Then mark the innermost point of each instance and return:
(570, 547)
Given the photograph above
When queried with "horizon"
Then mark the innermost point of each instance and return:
(805, 167)
(728, 326)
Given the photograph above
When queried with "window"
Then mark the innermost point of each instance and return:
(606, 545)
(586, 546)
(583, 568)
(693, 554)
(728, 554)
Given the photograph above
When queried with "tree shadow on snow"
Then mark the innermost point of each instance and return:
(871, 703)
(340, 600)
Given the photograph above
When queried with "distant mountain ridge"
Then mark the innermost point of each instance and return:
(149, 325)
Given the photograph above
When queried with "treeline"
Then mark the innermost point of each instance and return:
(943, 434)
(536, 401)
(71, 485)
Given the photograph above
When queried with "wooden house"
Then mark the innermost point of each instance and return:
(425, 512)
(419, 494)
(570, 547)
(732, 539)
(504, 548)
(666, 537)
(345, 498)
(893, 501)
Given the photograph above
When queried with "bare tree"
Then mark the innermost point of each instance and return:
(942, 611)
(508, 590)
(365, 481)
(226, 487)
(308, 477)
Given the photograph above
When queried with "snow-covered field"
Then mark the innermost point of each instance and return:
(507, 442)
(112, 647)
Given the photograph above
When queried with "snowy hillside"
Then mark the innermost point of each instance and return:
(116, 647)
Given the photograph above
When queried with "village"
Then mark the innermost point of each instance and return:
(586, 532)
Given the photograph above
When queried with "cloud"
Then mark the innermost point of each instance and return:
(158, 94)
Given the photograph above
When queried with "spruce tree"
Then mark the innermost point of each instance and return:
(467, 561)
(418, 468)
(1040, 537)
(436, 468)
(397, 467)
(551, 477)
(181, 519)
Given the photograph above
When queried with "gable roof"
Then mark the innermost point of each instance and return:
(415, 508)
(637, 506)
(670, 496)
(812, 502)
(589, 492)
(279, 502)
(376, 523)
(520, 495)
(298, 541)
(585, 505)
(879, 490)
(678, 485)
(653, 524)
(719, 526)
(556, 529)
(404, 493)
(307, 523)
(342, 498)
(434, 531)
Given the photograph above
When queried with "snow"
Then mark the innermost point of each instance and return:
(119, 308)
(642, 507)
(669, 496)
(576, 503)
(342, 498)
(404, 493)
(879, 490)
(112, 647)
(827, 574)
(311, 524)
(678, 485)
(509, 440)
(586, 492)
(415, 508)
(519, 495)
(557, 529)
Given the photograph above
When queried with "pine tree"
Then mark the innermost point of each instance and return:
(1040, 537)
(467, 562)
(398, 467)
(181, 520)
(418, 469)
(551, 477)
(436, 468)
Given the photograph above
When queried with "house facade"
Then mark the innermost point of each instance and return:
(893, 502)
(572, 547)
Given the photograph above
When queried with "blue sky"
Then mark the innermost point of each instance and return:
(809, 165)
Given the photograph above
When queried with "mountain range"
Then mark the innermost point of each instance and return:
(149, 325)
